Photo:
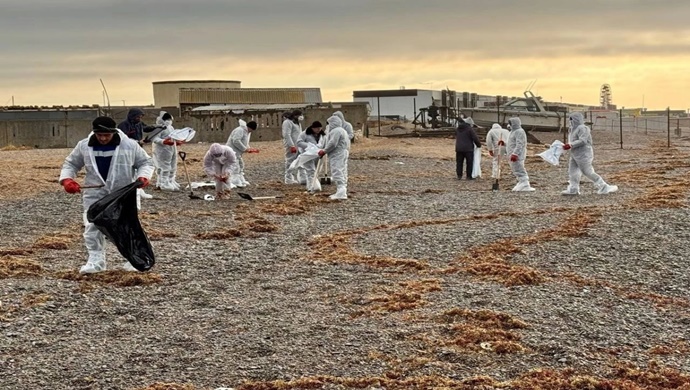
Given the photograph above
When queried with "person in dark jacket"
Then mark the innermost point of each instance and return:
(465, 141)
(133, 126)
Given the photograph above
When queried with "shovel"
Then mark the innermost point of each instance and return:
(249, 197)
(326, 180)
(183, 156)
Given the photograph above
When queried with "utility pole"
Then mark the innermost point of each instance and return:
(123, 103)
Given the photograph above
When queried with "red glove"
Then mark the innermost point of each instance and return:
(144, 181)
(224, 179)
(513, 157)
(178, 143)
(168, 141)
(252, 150)
(293, 149)
(501, 143)
(71, 186)
(491, 153)
(322, 153)
(566, 146)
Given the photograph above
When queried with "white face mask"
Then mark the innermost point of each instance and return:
(300, 118)
(168, 123)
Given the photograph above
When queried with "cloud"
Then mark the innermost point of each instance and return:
(331, 43)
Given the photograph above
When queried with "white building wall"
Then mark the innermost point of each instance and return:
(404, 106)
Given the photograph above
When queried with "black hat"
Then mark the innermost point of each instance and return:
(252, 125)
(167, 117)
(316, 124)
(104, 124)
(296, 113)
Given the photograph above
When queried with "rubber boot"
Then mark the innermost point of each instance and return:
(95, 263)
(340, 193)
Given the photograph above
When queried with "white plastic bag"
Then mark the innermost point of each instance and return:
(311, 153)
(553, 154)
(186, 134)
(477, 167)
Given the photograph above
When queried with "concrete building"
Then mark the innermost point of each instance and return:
(188, 94)
(401, 104)
(404, 104)
(167, 93)
(197, 97)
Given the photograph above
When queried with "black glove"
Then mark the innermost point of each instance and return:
(149, 129)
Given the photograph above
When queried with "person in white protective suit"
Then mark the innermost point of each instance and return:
(219, 164)
(110, 159)
(581, 156)
(165, 152)
(346, 125)
(496, 140)
(291, 131)
(337, 147)
(517, 150)
(313, 135)
(239, 143)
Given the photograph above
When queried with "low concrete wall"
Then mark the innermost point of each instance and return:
(63, 129)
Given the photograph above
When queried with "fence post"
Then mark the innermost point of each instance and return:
(620, 121)
(668, 124)
(645, 126)
(378, 106)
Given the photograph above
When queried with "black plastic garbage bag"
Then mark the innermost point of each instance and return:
(116, 216)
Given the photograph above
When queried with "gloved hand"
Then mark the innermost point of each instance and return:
(513, 157)
(491, 153)
(293, 149)
(71, 186)
(566, 147)
(144, 181)
(224, 179)
(322, 153)
(168, 141)
(178, 143)
(501, 143)
(252, 150)
(148, 129)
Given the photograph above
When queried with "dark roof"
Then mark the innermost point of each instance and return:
(195, 81)
(386, 93)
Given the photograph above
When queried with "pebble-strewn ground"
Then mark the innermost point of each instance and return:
(417, 281)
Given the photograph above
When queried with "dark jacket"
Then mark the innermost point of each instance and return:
(134, 130)
(466, 138)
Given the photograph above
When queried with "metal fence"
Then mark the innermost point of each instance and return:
(629, 130)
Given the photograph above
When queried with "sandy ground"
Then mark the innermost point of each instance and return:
(417, 281)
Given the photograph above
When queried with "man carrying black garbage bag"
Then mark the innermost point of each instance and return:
(110, 159)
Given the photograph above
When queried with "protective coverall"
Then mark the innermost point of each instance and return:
(581, 156)
(493, 138)
(218, 164)
(305, 138)
(239, 143)
(346, 125)
(291, 131)
(126, 158)
(337, 147)
(164, 154)
(517, 150)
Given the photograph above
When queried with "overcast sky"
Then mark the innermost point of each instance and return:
(54, 52)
